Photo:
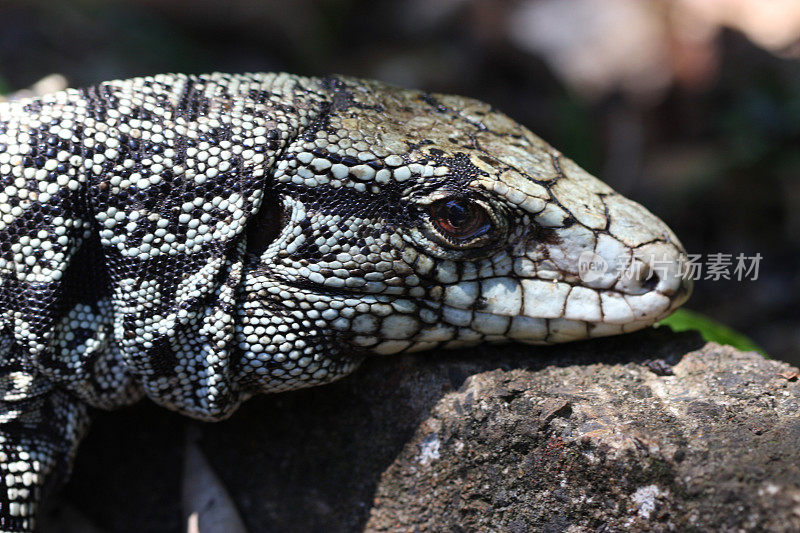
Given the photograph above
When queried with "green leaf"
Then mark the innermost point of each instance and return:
(710, 329)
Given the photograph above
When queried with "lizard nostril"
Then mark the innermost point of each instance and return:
(649, 278)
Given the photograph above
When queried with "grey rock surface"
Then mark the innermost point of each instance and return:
(590, 436)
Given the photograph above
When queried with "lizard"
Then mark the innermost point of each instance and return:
(198, 239)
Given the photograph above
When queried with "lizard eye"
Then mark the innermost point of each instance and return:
(460, 219)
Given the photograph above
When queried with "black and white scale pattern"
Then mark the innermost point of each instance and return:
(200, 239)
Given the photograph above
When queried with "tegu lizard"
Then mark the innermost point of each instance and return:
(201, 239)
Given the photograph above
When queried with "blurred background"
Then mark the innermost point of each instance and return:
(691, 107)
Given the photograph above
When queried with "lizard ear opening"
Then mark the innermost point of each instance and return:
(267, 224)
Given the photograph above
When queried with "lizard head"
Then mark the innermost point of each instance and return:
(413, 220)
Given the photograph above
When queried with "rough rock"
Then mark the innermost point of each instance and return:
(594, 436)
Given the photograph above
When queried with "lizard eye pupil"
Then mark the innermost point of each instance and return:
(460, 219)
(458, 214)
